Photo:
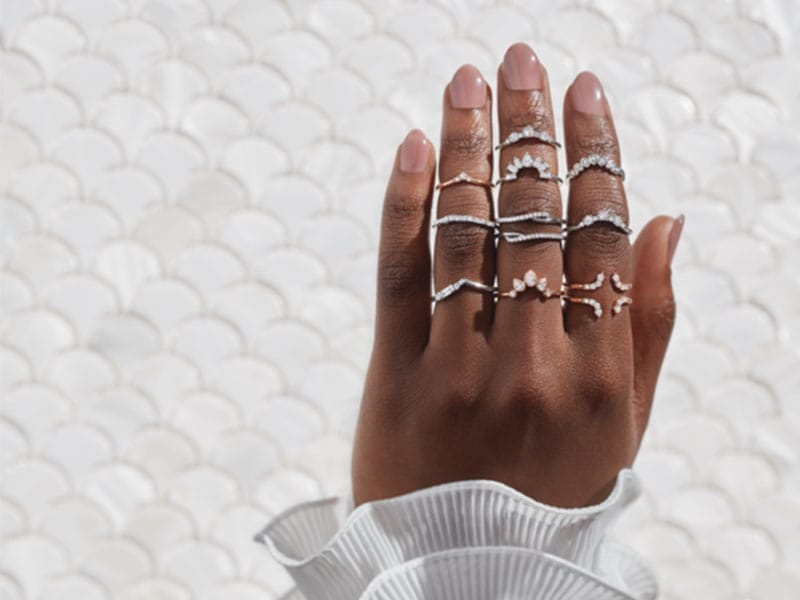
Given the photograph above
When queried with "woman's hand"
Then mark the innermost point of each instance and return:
(548, 399)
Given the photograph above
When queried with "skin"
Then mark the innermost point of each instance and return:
(542, 397)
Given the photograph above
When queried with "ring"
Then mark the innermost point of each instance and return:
(621, 301)
(595, 160)
(489, 223)
(598, 310)
(603, 216)
(457, 285)
(594, 285)
(463, 178)
(514, 237)
(528, 133)
(529, 281)
(537, 216)
(527, 162)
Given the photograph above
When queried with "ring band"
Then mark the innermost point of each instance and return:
(515, 237)
(528, 133)
(537, 216)
(602, 216)
(488, 223)
(591, 302)
(464, 177)
(452, 288)
(596, 160)
(529, 281)
(528, 162)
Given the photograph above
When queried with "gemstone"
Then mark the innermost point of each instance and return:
(512, 294)
(518, 284)
(530, 278)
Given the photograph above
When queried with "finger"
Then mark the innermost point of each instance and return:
(403, 309)
(653, 309)
(464, 249)
(600, 247)
(523, 101)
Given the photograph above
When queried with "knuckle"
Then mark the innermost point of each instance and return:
(400, 276)
(527, 196)
(663, 318)
(533, 113)
(593, 141)
(604, 241)
(606, 389)
(403, 205)
(461, 244)
(465, 143)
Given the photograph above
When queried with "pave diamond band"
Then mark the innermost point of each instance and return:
(595, 160)
(528, 133)
(602, 216)
(526, 161)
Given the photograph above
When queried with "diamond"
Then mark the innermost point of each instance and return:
(530, 278)
(518, 284)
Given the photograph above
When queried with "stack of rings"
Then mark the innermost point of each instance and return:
(529, 280)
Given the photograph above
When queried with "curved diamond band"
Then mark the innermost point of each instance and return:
(452, 288)
(528, 133)
(602, 216)
(595, 160)
(529, 281)
(466, 178)
(527, 162)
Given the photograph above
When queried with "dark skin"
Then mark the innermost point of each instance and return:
(543, 397)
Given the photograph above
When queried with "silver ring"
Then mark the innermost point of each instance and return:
(528, 133)
(452, 288)
(537, 216)
(527, 162)
(488, 223)
(515, 237)
(602, 216)
(595, 160)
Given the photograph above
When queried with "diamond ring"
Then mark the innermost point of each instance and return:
(595, 160)
(463, 178)
(452, 288)
(528, 133)
(527, 162)
(603, 216)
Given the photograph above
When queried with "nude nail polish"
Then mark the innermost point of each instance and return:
(521, 68)
(468, 88)
(674, 237)
(587, 94)
(414, 152)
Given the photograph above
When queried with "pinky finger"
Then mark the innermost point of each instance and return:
(403, 309)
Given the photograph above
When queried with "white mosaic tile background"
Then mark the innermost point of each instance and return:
(181, 359)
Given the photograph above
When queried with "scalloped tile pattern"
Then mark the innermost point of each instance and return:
(181, 358)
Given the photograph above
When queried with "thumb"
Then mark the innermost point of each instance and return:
(653, 307)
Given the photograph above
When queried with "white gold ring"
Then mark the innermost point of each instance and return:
(537, 216)
(602, 216)
(488, 223)
(515, 237)
(528, 133)
(595, 160)
(527, 162)
(452, 288)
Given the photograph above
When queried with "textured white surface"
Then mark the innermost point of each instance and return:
(181, 359)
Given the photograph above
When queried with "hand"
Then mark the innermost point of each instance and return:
(548, 399)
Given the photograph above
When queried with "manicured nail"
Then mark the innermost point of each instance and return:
(414, 152)
(521, 68)
(468, 88)
(587, 94)
(674, 236)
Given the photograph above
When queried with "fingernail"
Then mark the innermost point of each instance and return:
(587, 94)
(414, 152)
(468, 88)
(674, 236)
(521, 68)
